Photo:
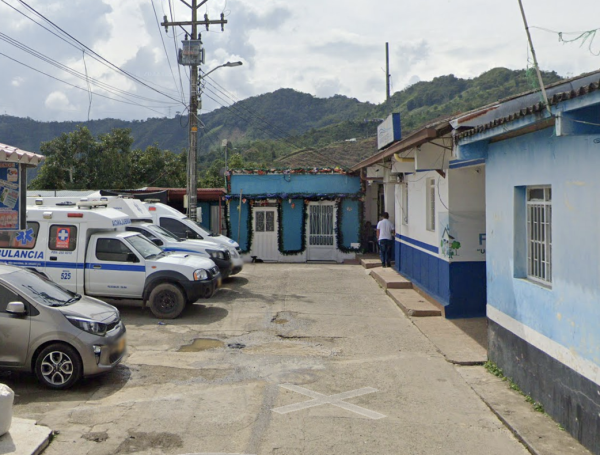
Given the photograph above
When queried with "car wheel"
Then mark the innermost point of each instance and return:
(58, 366)
(167, 301)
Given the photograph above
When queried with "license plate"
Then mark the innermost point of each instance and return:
(219, 281)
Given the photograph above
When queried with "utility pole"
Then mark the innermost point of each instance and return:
(387, 71)
(192, 163)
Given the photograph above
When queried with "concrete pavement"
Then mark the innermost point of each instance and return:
(285, 359)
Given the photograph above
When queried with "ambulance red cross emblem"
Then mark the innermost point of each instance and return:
(62, 238)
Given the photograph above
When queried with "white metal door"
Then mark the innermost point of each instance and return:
(321, 233)
(265, 233)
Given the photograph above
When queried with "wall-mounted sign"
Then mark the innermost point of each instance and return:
(389, 131)
(9, 196)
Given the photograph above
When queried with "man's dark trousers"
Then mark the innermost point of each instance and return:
(385, 252)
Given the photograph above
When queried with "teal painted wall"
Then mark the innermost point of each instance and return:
(292, 224)
(205, 206)
(350, 213)
(294, 183)
(234, 217)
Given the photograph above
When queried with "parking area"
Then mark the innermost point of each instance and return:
(284, 359)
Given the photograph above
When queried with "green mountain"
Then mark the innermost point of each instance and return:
(267, 127)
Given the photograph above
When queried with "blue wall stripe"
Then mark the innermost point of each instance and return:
(425, 246)
(459, 164)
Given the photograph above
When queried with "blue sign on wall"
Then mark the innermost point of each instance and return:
(389, 131)
(9, 196)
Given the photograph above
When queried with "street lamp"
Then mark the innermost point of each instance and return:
(192, 183)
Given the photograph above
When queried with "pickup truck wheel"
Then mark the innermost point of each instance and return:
(58, 366)
(167, 301)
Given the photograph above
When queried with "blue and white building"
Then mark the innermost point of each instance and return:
(437, 204)
(542, 246)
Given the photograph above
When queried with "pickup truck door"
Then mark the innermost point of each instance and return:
(62, 250)
(113, 269)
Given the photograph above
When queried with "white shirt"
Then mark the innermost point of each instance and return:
(385, 228)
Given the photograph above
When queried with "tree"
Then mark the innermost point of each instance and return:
(77, 160)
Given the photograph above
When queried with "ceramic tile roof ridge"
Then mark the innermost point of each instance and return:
(538, 107)
(9, 153)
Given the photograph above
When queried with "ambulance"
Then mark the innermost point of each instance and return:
(141, 222)
(89, 251)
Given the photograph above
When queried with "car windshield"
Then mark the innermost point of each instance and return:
(40, 289)
(144, 246)
(162, 231)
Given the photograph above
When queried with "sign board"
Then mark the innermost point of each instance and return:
(9, 196)
(389, 131)
(63, 238)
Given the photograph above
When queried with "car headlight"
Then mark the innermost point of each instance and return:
(216, 254)
(200, 275)
(89, 326)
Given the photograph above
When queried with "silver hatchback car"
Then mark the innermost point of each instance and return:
(59, 335)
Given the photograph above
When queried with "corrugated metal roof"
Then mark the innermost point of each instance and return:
(15, 155)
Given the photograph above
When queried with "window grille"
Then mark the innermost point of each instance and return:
(321, 225)
(539, 234)
(430, 209)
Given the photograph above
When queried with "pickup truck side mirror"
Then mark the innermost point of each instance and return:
(156, 241)
(16, 308)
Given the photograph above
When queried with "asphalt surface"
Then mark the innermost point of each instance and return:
(284, 359)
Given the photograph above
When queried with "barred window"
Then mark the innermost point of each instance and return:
(539, 234)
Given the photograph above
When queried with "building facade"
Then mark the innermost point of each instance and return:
(296, 215)
(543, 270)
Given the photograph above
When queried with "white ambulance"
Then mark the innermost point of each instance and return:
(176, 222)
(88, 251)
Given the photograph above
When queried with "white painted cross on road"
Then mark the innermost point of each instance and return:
(336, 400)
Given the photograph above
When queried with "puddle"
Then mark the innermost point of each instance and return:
(201, 344)
(279, 321)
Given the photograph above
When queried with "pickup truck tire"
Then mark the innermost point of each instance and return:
(58, 366)
(167, 301)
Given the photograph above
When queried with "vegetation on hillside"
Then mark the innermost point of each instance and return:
(265, 128)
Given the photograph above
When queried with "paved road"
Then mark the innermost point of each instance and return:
(327, 365)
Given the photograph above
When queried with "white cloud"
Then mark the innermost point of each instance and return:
(315, 46)
(58, 101)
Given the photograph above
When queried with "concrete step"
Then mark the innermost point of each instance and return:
(370, 263)
(25, 438)
(412, 303)
(388, 278)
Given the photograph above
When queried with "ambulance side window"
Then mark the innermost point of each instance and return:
(62, 238)
(21, 239)
(179, 229)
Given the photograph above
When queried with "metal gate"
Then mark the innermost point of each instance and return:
(321, 233)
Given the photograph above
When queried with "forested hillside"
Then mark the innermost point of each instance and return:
(266, 127)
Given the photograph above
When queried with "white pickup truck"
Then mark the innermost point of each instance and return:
(88, 251)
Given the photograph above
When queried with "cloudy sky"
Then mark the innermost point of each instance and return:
(322, 47)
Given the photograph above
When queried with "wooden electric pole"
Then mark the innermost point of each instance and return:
(387, 71)
(192, 162)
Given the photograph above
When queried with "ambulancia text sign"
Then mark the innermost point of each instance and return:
(388, 131)
(9, 196)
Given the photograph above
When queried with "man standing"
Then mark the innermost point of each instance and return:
(385, 235)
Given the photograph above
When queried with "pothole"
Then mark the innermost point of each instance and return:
(283, 317)
(236, 345)
(201, 344)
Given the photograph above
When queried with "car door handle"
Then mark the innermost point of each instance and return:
(53, 258)
(97, 266)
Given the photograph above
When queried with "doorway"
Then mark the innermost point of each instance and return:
(321, 232)
(265, 233)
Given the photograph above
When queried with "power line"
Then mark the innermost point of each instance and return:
(98, 55)
(77, 87)
(75, 73)
(166, 53)
(65, 40)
